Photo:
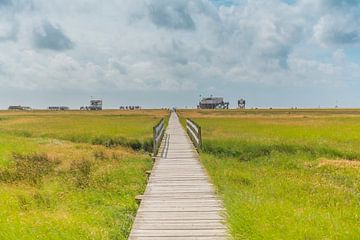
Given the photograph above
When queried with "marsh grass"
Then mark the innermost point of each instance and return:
(247, 151)
(29, 168)
(59, 181)
(108, 128)
(81, 173)
(134, 144)
(285, 174)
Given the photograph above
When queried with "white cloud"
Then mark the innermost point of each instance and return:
(178, 44)
(49, 36)
(339, 56)
(339, 29)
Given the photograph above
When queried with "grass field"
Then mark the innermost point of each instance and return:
(285, 174)
(72, 175)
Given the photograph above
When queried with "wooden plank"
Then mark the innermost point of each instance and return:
(179, 226)
(179, 201)
(176, 238)
(180, 232)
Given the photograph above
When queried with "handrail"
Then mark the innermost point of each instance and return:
(194, 132)
(158, 134)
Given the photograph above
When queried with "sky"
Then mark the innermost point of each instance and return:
(165, 53)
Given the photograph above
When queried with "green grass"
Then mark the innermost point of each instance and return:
(56, 182)
(285, 176)
(109, 128)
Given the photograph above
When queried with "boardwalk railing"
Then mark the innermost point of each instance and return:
(158, 134)
(194, 132)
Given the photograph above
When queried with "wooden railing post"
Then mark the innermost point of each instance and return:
(154, 141)
(158, 133)
(200, 136)
(194, 132)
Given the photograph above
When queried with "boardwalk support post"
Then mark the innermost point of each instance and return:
(139, 198)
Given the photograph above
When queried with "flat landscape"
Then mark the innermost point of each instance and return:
(72, 175)
(284, 174)
(272, 85)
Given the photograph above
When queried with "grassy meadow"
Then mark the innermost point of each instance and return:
(285, 174)
(72, 175)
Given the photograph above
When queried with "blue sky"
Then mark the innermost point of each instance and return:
(161, 53)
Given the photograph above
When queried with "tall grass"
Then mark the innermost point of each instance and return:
(285, 176)
(72, 175)
(30, 168)
(247, 151)
(108, 128)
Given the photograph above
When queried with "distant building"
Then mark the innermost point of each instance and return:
(130, 108)
(59, 108)
(213, 103)
(19, 108)
(242, 104)
(95, 105)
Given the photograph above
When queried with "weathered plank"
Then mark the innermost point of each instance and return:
(179, 201)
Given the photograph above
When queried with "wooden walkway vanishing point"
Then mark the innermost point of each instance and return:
(179, 201)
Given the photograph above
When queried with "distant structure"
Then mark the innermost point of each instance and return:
(58, 108)
(19, 108)
(213, 103)
(242, 103)
(130, 108)
(95, 105)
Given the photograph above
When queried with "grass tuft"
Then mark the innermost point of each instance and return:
(29, 168)
(81, 171)
(134, 144)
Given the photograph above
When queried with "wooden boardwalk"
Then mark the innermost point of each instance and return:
(179, 201)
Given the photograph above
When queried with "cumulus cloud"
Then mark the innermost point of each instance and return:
(8, 23)
(338, 23)
(341, 3)
(5, 2)
(8, 30)
(171, 45)
(337, 30)
(48, 36)
(171, 14)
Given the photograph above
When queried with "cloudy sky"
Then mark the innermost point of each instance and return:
(278, 53)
